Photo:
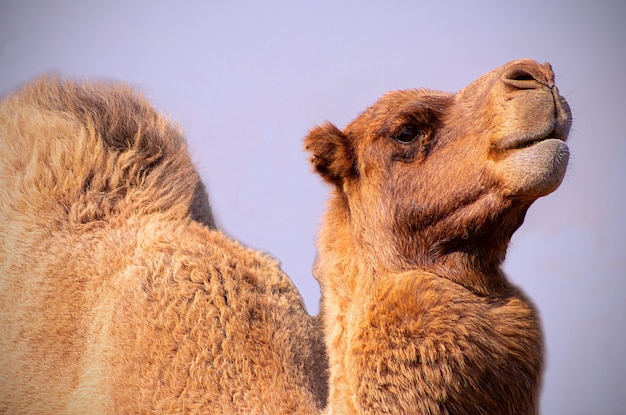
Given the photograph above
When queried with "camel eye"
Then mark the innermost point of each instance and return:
(409, 134)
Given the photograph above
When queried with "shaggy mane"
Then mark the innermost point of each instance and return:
(123, 157)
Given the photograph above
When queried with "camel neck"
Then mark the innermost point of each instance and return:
(470, 254)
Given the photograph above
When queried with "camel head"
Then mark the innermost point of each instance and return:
(422, 174)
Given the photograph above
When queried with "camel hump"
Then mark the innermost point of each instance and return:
(91, 151)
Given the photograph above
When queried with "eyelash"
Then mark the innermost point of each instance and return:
(409, 134)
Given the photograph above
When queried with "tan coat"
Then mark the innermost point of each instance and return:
(117, 293)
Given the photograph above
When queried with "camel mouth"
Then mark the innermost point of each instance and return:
(530, 143)
(525, 142)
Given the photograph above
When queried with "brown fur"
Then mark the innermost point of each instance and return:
(428, 188)
(117, 293)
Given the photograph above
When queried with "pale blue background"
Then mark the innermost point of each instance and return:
(246, 80)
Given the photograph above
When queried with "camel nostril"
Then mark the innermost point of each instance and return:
(520, 75)
(524, 77)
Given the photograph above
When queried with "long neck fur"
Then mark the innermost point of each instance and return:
(352, 258)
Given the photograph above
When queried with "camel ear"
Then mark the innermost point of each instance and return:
(332, 154)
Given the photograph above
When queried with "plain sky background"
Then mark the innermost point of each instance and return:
(247, 80)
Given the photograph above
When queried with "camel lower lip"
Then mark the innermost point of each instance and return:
(536, 170)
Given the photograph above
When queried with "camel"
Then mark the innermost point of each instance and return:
(118, 294)
(427, 188)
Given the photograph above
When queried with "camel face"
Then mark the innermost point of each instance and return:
(510, 125)
(466, 163)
